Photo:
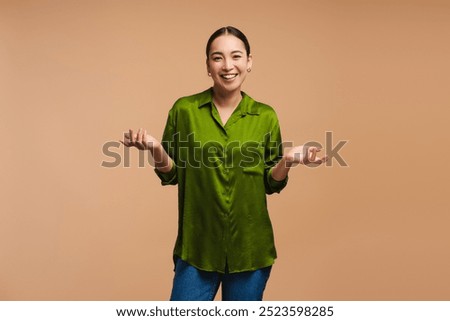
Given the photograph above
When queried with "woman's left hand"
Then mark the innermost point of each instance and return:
(305, 155)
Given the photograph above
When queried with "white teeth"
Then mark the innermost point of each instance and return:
(229, 76)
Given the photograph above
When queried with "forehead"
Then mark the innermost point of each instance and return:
(227, 43)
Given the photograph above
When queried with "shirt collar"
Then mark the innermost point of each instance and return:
(247, 104)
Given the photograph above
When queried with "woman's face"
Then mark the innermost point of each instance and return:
(228, 63)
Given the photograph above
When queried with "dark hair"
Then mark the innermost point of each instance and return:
(228, 31)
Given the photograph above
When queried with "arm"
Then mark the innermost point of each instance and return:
(143, 141)
(297, 155)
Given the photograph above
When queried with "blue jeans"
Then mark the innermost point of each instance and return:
(192, 284)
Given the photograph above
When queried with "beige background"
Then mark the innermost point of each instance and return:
(75, 74)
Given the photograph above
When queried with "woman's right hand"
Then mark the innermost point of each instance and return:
(141, 140)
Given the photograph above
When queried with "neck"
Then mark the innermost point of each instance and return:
(226, 99)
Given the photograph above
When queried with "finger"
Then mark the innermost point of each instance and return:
(311, 154)
(136, 139)
(132, 138)
(315, 149)
(126, 138)
(139, 145)
(145, 139)
(125, 143)
(140, 134)
(321, 160)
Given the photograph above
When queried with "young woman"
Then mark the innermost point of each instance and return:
(224, 151)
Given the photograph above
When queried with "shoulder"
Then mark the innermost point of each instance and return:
(265, 109)
(195, 100)
(188, 105)
(260, 108)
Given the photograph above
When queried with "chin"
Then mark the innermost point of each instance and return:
(232, 87)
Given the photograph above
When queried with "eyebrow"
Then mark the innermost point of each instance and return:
(221, 53)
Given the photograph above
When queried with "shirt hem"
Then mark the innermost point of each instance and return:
(223, 271)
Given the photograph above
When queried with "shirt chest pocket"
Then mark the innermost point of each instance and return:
(250, 157)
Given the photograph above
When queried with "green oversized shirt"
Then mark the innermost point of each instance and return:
(223, 172)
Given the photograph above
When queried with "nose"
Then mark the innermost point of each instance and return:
(227, 64)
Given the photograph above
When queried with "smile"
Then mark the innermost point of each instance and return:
(229, 76)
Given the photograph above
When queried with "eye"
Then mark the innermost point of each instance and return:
(217, 58)
(237, 57)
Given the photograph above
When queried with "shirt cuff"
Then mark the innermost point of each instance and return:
(169, 178)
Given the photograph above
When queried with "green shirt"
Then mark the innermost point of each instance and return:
(223, 172)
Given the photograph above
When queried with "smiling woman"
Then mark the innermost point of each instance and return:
(228, 61)
(225, 234)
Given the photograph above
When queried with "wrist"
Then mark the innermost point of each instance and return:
(287, 161)
(153, 144)
(164, 167)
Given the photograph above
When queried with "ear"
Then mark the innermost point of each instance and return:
(249, 61)
(207, 65)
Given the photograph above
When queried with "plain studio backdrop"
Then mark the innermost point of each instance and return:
(74, 75)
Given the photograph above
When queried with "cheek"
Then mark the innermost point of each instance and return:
(213, 67)
(244, 65)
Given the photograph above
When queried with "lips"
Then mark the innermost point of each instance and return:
(228, 76)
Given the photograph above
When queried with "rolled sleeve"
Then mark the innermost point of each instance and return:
(273, 154)
(169, 144)
(274, 186)
(169, 178)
